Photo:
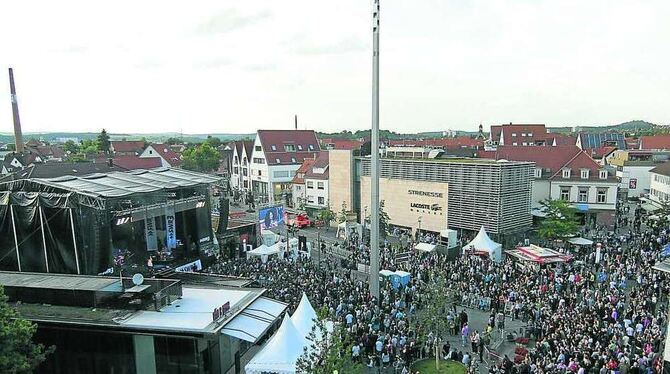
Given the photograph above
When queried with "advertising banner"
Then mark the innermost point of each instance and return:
(271, 217)
(150, 234)
(170, 228)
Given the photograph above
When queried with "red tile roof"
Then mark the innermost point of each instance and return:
(164, 151)
(552, 158)
(538, 132)
(561, 139)
(300, 173)
(134, 162)
(343, 144)
(321, 162)
(446, 143)
(581, 161)
(656, 142)
(127, 146)
(602, 152)
(305, 143)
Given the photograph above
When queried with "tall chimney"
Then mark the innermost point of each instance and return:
(18, 137)
(296, 121)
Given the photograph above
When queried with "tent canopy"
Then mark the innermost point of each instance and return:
(425, 247)
(264, 250)
(304, 316)
(281, 352)
(580, 241)
(483, 244)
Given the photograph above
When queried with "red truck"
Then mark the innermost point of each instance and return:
(299, 220)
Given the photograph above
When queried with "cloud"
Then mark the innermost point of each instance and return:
(230, 20)
(260, 67)
(72, 49)
(347, 45)
(149, 64)
(213, 64)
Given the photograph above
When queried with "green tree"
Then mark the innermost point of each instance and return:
(77, 157)
(103, 142)
(326, 215)
(203, 158)
(327, 352)
(383, 220)
(146, 143)
(430, 317)
(89, 147)
(18, 352)
(342, 216)
(70, 147)
(561, 221)
(213, 141)
(172, 141)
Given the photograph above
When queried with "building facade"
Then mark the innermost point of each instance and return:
(659, 191)
(240, 176)
(633, 170)
(316, 183)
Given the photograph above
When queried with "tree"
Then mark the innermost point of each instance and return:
(561, 221)
(326, 215)
(342, 216)
(145, 143)
(18, 352)
(429, 318)
(327, 352)
(383, 220)
(172, 141)
(203, 158)
(213, 141)
(70, 147)
(77, 157)
(89, 147)
(103, 142)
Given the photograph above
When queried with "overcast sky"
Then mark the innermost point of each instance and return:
(237, 66)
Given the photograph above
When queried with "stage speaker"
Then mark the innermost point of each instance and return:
(302, 243)
(223, 214)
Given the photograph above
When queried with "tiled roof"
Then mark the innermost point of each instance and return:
(127, 146)
(663, 169)
(581, 161)
(601, 152)
(304, 168)
(598, 140)
(656, 142)
(495, 132)
(343, 144)
(274, 141)
(134, 162)
(561, 139)
(551, 158)
(447, 143)
(321, 162)
(539, 133)
(167, 154)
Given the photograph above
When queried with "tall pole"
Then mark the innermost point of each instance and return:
(18, 137)
(374, 149)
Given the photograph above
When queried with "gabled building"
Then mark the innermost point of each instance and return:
(568, 173)
(17, 161)
(518, 135)
(556, 140)
(276, 156)
(162, 151)
(298, 192)
(654, 143)
(240, 176)
(316, 183)
(341, 144)
(126, 148)
(606, 139)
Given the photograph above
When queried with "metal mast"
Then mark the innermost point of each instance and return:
(374, 150)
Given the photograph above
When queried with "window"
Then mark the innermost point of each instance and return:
(293, 160)
(258, 160)
(299, 147)
(289, 147)
(523, 134)
(530, 134)
(278, 160)
(319, 185)
(246, 183)
(310, 199)
(310, 147)
(274, 147)
(524, 144)
(514, 135)
(235, 170)
(281, 174)
(259, 173)
(565, 193)
(235, 161)
(244, 171)
(602, 195)
(584, 173)
(514, 143)
(566, 173)
(603, 174)
(258, 148)
(310, 184)
(322, 200)
(538, 172)
(244, 161)
(583, 195)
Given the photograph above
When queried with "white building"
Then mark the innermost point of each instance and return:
(316, 183)
(168, 157)
(276, 156)
(240, 176)
(633, 170)
(660, 184)
(299, 189)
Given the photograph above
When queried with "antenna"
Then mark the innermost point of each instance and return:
(296, 121)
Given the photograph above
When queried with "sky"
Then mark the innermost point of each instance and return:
(238, 66)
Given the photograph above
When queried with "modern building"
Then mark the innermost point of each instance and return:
(240, 176)
(659, 191)
(168, 157)
(276, 156)
(457, 193)
(142, 325)
(633, 170)
(316, 183)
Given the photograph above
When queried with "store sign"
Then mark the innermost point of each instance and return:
(425, 193)
(190, 267)
(170, 227)
(432, 207)
(632, 184)
(220, 311)
(150, 234)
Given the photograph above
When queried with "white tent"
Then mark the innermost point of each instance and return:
(580, 241)
(483, 244)
(304, 316)
(425, 247)
(264, 252)
(281, 352)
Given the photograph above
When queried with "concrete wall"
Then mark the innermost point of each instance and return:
(660, 188)
(640, 173)
(404, 206)
(340, 179)
(541, 191)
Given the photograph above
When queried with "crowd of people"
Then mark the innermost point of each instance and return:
(595, 314)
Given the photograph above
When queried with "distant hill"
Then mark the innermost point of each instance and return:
(630, 126)
(155, 138)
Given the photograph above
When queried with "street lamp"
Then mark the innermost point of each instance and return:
(418, 230)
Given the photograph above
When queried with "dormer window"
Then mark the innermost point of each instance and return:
(299, 147)
(603, 174)
(289, 147)
(584, 174)
(530, 134)
(293, 160)
(310, 147)
(514, 135)
(278, 161)
(274, 147)
(566, 173)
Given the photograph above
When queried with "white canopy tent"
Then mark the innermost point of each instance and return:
(425, 247)
(264, 252)
(580, 241)
(482, 244)
(304, 317)
(281, 352)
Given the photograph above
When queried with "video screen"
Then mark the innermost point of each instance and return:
(271, 217)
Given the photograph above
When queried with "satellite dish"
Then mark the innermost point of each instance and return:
(138, 279)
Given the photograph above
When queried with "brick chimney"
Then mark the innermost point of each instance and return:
(18, 137)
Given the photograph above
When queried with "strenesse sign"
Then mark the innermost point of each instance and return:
(425, 193)
(433, 207)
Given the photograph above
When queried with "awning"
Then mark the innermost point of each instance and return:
(580, 241)
(252, 323)
(649, 207)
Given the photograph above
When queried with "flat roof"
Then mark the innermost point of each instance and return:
(454, 160)
(58, 281)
